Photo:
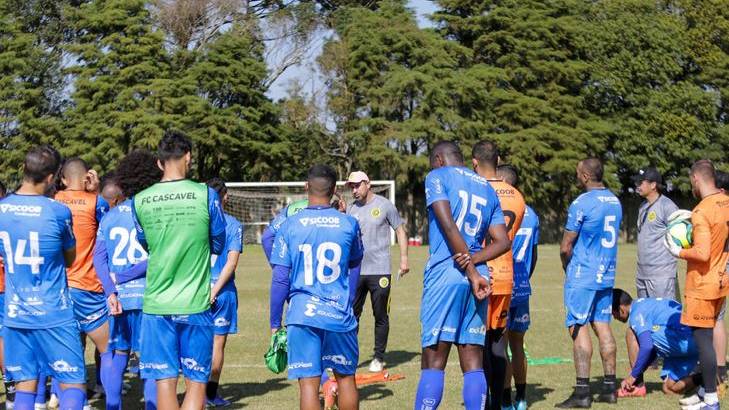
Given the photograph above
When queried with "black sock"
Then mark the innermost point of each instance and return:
(582, 387)
(639, 380)
(506, 397)
(520, 391)
(9, 391)
(722, 373)
(704, 338)
(211, 390)
(697, 379)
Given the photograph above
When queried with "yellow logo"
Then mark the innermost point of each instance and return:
(656, 328)
(384, 282)
(651, 216)
(375, 212)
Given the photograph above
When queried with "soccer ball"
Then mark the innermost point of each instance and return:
(679, 231)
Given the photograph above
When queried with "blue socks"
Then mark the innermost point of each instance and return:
(24, 400)
(112, 375)
(474, 389)
(150, 394)
(72, 399)
(430, 389)
(55, 388)
(40, 392)
(324, 377)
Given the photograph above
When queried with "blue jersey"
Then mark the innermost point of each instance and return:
(318, 244)
(526, 238)
(233, 243)
(595, 216)
(119, 236)
(474, 207)
(34, 232)
(661, 317)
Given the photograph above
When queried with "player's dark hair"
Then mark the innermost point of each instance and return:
(174, 145)
(593, 166)
(509, 174)
(449, 150)
(40, 162)
(705, 168)
(3, 190)
(137, 171)
(722, 180)
(74, 166)
(322, 180)
(486, 152)
(218, 185)
(620, 298)
(107, 179)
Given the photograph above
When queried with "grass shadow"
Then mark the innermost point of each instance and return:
(398, 357)
(536, 392)
(373, 392)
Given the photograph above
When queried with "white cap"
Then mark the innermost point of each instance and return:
(357, 177)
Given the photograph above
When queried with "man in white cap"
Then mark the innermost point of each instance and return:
(376, 215)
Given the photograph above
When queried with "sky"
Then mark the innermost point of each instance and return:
(306, 72)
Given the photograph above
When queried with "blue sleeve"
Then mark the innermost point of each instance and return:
(280, 252)
(646, 354)
(101, 265)
(65, 224)
(535, 232)
(135, 272)
(575, 217)
(354, 280)
(102, 207)
(497, 215)
(267, 242)
(357, 251)
(638, 320)
(435, 188)
(140, 231)
(217, 223)
(234, 240)
(277, 221)
(280, 283)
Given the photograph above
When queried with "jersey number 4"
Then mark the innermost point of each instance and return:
(19, 257)
(323, 260)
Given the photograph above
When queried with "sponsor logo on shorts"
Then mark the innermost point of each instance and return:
(704, 317)
(444, 329)
(300, 365)
(14, 368)
(153, 366)
(522, 319)
(477, 330)
(91, 318)
(62, 366)
(428, 404)
(337, 359)
(24, 210)
(221, 321)
(191, 364)
(580, 316)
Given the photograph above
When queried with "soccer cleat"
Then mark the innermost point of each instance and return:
(638, 391)
(218, 402)
(53, 402)
(575, 402)
(607, 397)
(521, 405)
(701, 406)
(376, 365)
(88, 407)
(9, 405)
(691, 400)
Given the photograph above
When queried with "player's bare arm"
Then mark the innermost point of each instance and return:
(225, 275)
(565, 247)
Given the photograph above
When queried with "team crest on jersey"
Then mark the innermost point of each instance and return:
(651, 216)
(384, 282)
(375, 212)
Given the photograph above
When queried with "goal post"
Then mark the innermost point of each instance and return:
(256, 203)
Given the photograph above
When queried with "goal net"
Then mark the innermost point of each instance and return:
(256, 203)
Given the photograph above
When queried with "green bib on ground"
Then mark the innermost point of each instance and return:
(276, 358)
(176, 222)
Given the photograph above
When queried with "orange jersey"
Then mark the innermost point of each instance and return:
(706, 276)
(513, 206)
(2, 278)
(83, 205)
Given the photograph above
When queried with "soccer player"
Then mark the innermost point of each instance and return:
(40, 330)
(110, 190)
(462, 209)
(524, 250)
(589, 253)
(9, 385)
(376, 215)
(485, 158)
(656, 276)
(120, 262)
(223, 295)
(722, 182)
(316, 260)
(706, 279)
(180, 222)
(656, 331)
(89, 303)
(269, 234)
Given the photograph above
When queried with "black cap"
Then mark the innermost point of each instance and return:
(648, 174)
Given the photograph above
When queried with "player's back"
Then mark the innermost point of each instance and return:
(117, 229)
(522, 250)
(661, 317)
(34, 233)
(85, 210)
(702, 278)
(318, 244)
(512, 206)
(595, 216)
(233, 242)
(474, 207)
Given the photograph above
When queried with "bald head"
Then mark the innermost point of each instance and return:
(704, 170)
(446, 153)
(593, 168)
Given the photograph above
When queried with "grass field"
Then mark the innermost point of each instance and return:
(248, 383)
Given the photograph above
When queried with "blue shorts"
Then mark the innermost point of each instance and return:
(56, 351)
(587, 305)
(125, 331)
(176, 342)
(676, 368)
(225, 312)
(448, 311)
(311, 350)
(519, 318)
(89, 308)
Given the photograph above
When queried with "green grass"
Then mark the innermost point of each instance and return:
(249, 384)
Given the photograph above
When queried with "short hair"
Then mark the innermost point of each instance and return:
(218, 184)
(137, 171)
(448, 149)
(486, 152)
(322, 180)
(705, 168)
(108, 179)
(621, 298)
(508, 173)
(593, 166)
(174, 145)
(722, 180)
(74, 167)
(40, 162)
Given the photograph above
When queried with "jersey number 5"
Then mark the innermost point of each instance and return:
(322, 261)
(610, 230)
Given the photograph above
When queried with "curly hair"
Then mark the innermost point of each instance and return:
(137, 171)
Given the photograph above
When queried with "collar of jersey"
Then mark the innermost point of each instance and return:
(319, 207)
